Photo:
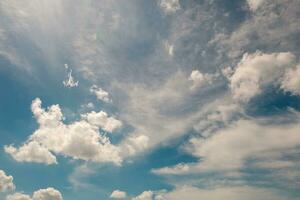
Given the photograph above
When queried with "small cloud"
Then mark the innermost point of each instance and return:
(169, 48)
(70, 82)
(6, 182)
(117, 194)
(100, 94)
(254, 4)
(146, 195)
(169, 6)
(199, 79)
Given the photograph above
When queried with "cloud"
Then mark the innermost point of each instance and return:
(291, 81)
(31, 152)
(70, 81)
(6, 182)
(255, 4)
(47, 194)
(42, 194)
(135, 144)
(180, 168)
(169, 6)
(199, 79)
(18, 196)
(100, 94)
(169, 48)
(258, 70)
(274, 26)
(117, 194)
(232, 193)
(80, 140)
(146, 195)
(102, 120)
(230, 148)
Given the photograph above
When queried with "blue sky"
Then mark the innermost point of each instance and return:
(149, 100)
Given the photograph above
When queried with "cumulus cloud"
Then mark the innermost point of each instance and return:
(47, 194)
(117, 194)
(80, 140)
(18, 196)
(134, 144)
(42, 194)
(169, 6)
(291, 80)
(258, 70)
(101, 119)
(199, 79)
(31, 152)
(100, 94)
(146, 195)
(6, 182)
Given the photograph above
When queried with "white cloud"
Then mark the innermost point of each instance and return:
(134, 144)
(255, 4)
(117, 194)
(232, 193)
(146, 195)
(180, 168)
(47, 194)
(102, 120)
(6, 182)
(230, 148)
(100, 94)
(31, 152)
(42, 194)
(18, 196)
(256, 71)
(169, 48)
(169, 6)
(291, 80)
(70, 81)
(199, 79)
(79, 140)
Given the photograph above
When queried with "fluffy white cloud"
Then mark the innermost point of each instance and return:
(31, 152)
(79, 140)
(42, 194)
(258, 70)
(18, 196)
(47, 194)
(6, 182)
(169, 6)
(199, 79)
(254, 4)
(232, 193)
(146, 195)
(100, 93)
(291, 80)
(135, 144)
(117, 194)
(102, 120)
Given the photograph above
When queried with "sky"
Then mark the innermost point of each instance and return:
(149, 99)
